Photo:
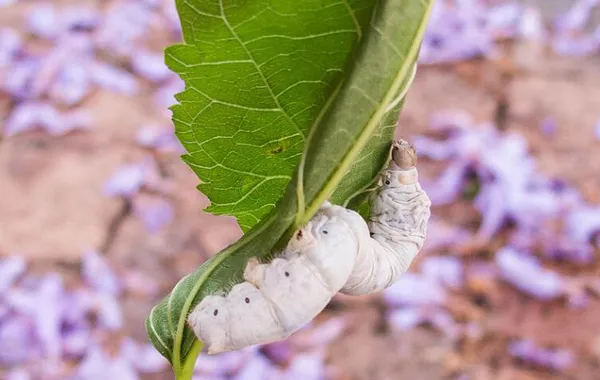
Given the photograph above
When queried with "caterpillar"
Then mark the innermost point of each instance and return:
(336, 251)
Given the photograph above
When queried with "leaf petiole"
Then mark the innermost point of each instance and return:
(187, 370)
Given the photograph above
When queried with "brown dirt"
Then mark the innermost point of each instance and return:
(52, 208)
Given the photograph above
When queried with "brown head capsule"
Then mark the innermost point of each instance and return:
(404, 154)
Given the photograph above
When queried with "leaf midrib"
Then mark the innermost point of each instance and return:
(355, 149)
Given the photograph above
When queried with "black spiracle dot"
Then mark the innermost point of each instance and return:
(287, 274)
(387, 181)
(325, 232)
(216, 312)
(247, 300)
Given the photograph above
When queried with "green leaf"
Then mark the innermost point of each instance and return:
(326, 137)
(257, 74)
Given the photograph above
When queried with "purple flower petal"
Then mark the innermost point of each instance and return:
(17, 341)
(10, 44)
(113, 79)
(104, 306)
(75, 343)
(257, 368)
(4, 312)
(97, 365)
(209, 377)
(80, 18)
(49, 314)
(11, 269)
(18, 78)
(561, 249)
(71, 121)
(583, 222)
(71, 85)
(456, 32)
(409, 318)
(449, 186)
(144, 357)
(278, 352)
(80, 303)
(577, 46)
(525, 273)
(126, 181)
(451, 121)
(137, 282)
(528, 351)
(441, 234)
(576, 17)
(97, 273)
(121, 369)
(21, 300)
(109, 312)
(502, 20)
(165, 96)
(226, 363)
(320, 335)
(28, 116)
(415, 290)
(597, 127)
(447, 271)
(549, 126)
(170, 14)
(17, 374)
(531, 26)
(150, 66)
(7, 2)
(491, 203)
(154, 212)
(43, 21)
(406, 318)
(160, 138)
(124, 25)
(443, 321)
(305, 367)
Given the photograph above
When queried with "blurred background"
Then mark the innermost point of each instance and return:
(99, 217)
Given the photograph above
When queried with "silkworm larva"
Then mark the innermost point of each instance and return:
(335, 251)
(278, 298)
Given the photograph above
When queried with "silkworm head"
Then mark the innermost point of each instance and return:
(404, 154)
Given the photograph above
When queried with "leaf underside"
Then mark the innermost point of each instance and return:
(287, 104)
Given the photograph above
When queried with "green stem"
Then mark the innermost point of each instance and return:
(187, 370)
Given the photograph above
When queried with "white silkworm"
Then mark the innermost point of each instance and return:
(335, 251)
(400, 211)
(278, 298)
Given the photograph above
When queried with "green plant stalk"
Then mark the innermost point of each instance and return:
(187, 370)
